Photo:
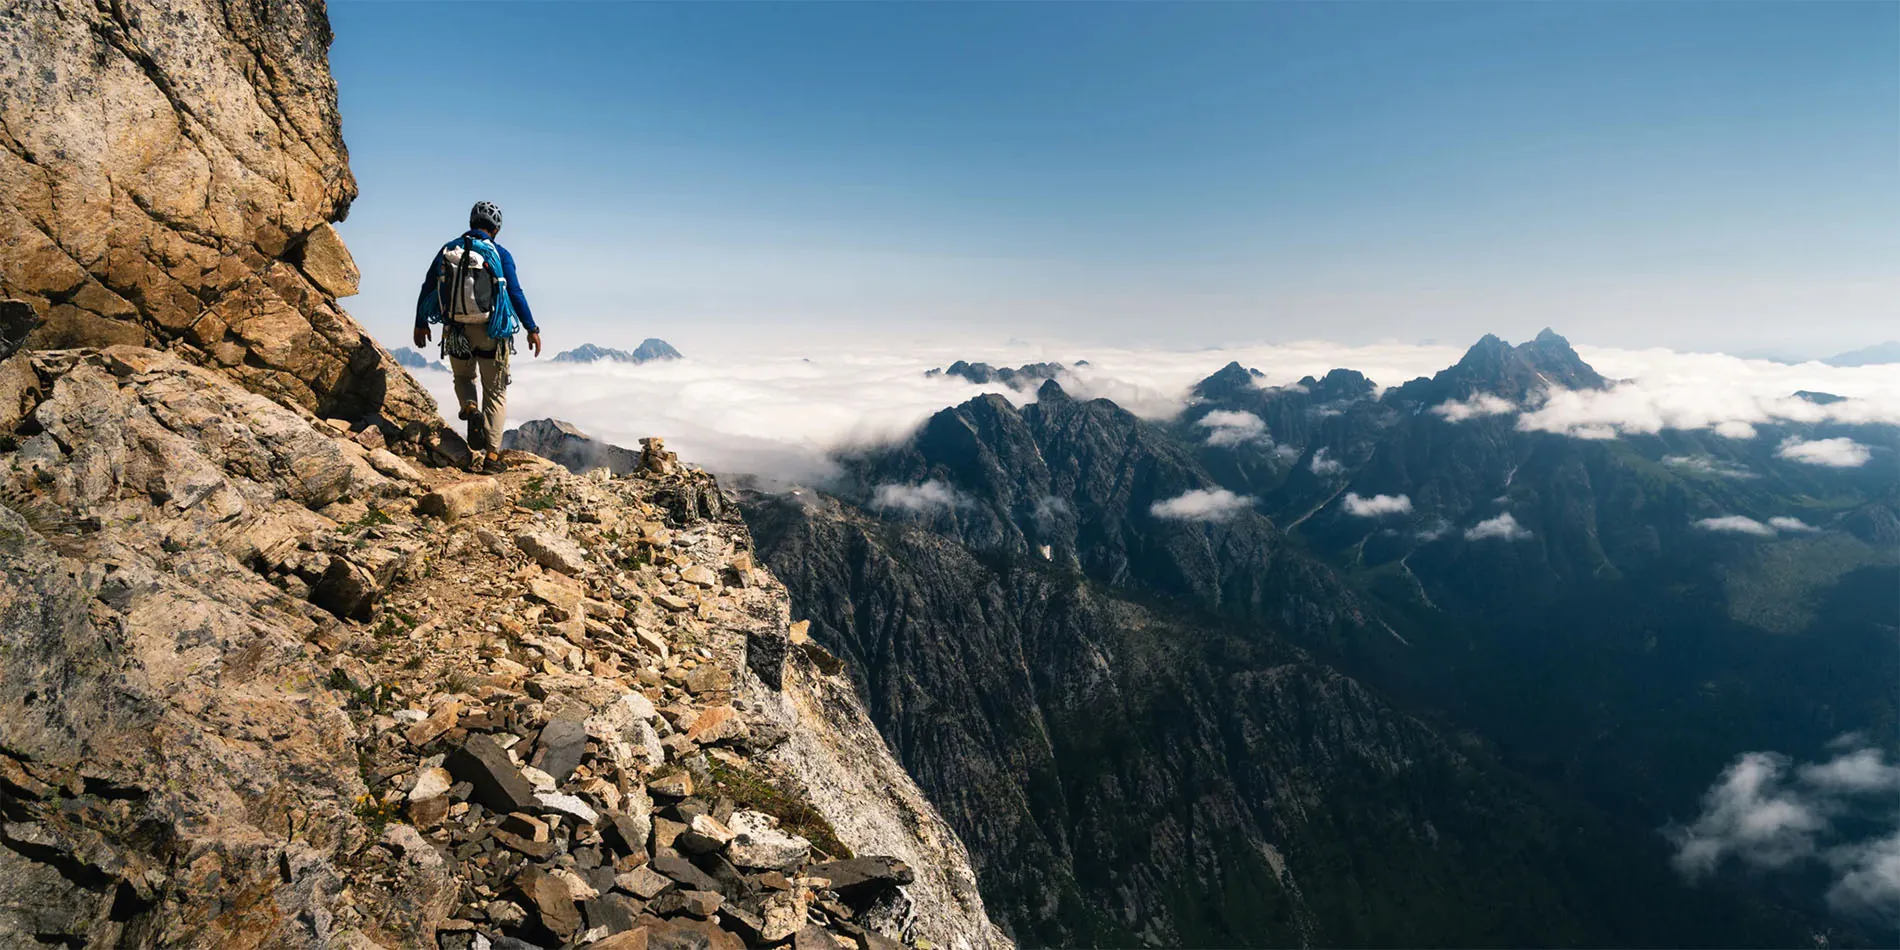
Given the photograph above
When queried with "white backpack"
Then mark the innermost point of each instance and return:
(465, 286)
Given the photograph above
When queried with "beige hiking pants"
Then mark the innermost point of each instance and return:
(494, 375)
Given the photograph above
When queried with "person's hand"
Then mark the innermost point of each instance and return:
(534, 343)
(422, 336)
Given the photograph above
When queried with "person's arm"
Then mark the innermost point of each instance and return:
(423, 299)
(519, 300)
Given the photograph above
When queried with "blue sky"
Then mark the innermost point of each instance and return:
(1693, 175)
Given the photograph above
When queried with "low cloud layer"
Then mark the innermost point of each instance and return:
(1323, 466)
(1201, 505)
(1378, 506)
(931, 496)
(1234, 428)
(1706, 465)
(1766, 814)
(1502, 528)
(1480, 404)
(1736, 524)
(1833, 453)
(778, 415)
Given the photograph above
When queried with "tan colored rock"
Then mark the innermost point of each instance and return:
(562, 596)
(327, 262)
(163, 163)
(635, 939)
(462, 499)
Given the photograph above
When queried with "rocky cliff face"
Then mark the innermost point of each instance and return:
(1131, 773)
(267, 686)
(267, 677)
(168, 176)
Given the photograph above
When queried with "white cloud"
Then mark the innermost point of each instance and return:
(1323, 466)
(1504, 528)
(1234, 428)
(1791, 525)
(1736, 524)
(745, 405)
(1707, 465)
(1749, 815)
(1662, 389)
(1765, 815)
(1436, 530)
(1377, 506)
(1742, 524)
(1834, 453)
(1480, 404)
(1202, 505)
(932, 495)
(1869, 882)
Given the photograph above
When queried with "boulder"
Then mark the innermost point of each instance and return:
(552, 898)
(643, 882)
(498, 783)
(553, 552)
(635, 939)
(688, 933)
(328, 263)
(458, 500)
(858, 878)
(758, 843)
(562, 743)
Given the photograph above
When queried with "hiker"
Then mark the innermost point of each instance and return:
(473, 292)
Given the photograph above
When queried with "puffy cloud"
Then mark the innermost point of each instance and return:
(1503, 527)
(1736, 524)
(1749, 815)
(1378, 506)
(931, 496)
(1202, 505)
(1765, 814)
(1234, 428)
(1323, 466)
(1834, 453)
(1707, 465)
(1480, 404)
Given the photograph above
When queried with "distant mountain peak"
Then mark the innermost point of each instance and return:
(1019, 377)
(413, 360)
(649, 350)
(1495, 366)
(1877, 355)
(1051, 391)
(1228, 380)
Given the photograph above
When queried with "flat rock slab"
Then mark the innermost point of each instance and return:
(686, 933)
(562, 743)
(499, 785)
(462, 499)
(860, 876)
(553, 551)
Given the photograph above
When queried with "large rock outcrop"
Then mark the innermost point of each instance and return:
(263, 685)
(168, 175)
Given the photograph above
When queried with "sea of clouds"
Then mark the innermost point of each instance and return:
(779, 414)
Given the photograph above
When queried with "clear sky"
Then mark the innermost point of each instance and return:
(1691, 175)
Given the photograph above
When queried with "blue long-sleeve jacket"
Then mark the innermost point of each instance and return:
(515, 296)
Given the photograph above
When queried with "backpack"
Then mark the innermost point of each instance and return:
(466, 286)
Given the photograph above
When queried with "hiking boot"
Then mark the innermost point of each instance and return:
(477, 432)
(493, 465)
(469, 411)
